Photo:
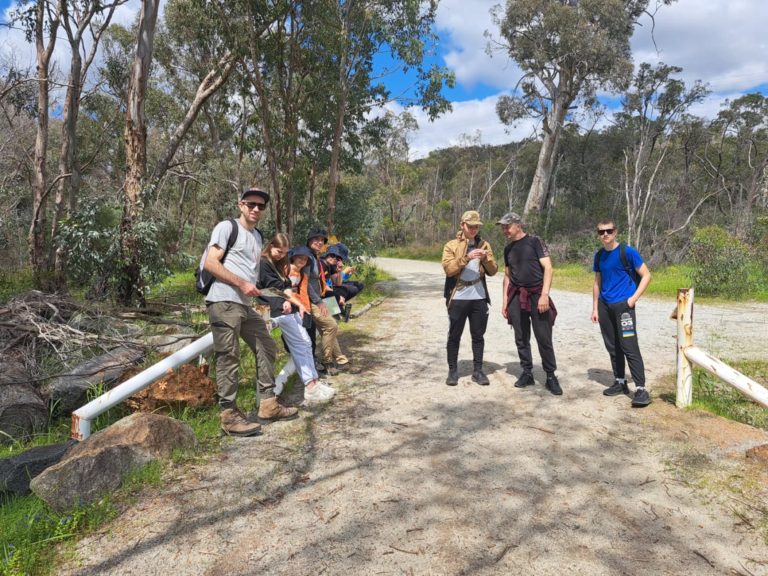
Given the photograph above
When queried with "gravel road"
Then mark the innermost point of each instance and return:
(404, 475)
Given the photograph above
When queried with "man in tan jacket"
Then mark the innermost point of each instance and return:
(467, 260)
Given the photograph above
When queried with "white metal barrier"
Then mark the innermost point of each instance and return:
(82, 417)
(688, 354)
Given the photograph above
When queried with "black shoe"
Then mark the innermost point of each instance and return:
(320, 368)
(618, 387)
(480, 378)
(453, 378)
(347, 311)
(331, 369)
(641, 397)
(553, 385)
(526, 379)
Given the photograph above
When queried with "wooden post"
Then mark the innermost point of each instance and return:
(684, 340)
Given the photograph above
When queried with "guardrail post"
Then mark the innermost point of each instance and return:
(684, 340)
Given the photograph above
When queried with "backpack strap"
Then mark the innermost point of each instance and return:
(232, 238)
(625, 262)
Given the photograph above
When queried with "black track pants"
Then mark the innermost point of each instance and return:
(619, 328)
(458, 312)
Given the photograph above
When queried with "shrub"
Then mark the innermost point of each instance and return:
(721, 263)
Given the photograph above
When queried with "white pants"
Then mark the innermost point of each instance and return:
(300, 346)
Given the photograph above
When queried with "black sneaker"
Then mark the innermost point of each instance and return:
(453, 378)
(641, 397)
(618, 387)
(553, 385)
(479, 377)
(526, 379)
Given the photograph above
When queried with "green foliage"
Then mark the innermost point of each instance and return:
(91, 238)
(721, 263)
(718, 397)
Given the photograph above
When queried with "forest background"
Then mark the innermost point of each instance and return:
(116, 161)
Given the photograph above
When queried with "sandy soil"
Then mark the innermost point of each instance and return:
(404, 475)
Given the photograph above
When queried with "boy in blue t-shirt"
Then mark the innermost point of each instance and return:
(614, 295)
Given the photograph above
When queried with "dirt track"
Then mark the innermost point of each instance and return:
(404, 475)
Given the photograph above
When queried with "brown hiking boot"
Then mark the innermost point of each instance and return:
(270, 409)
(233, 423)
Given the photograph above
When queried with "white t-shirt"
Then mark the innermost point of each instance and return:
(470, 273)
(242, 260)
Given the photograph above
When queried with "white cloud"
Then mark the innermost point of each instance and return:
(463, 24)
(721, 42)
(467, 118)
(13, 44)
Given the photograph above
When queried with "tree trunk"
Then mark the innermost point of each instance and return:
(68, 172)
(36, 235)
(135, 137)
(214, 80)
(539, 191)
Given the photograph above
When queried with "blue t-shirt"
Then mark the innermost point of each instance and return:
(616, 285)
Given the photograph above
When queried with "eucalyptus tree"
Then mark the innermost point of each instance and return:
(84, 23)
(737, 157)
(40, 20)
(359, 30)
(651, 109)
(204, 38)
(567, 50)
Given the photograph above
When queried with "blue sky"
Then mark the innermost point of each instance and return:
(721, 42)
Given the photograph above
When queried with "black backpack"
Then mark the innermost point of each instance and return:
(624, 262)
(204, 279)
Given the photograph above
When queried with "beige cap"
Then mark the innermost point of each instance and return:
(472, 218)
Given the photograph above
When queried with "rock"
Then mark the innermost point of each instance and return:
(170, 343)
(22, 412)
(99, 464)
(189, 387)
(758, 454)
(70, 392)
(17, 471)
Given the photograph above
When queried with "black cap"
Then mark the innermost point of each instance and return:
(253, 191)
(317, 232)
(300, 251)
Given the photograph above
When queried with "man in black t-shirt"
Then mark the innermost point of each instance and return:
(526, 303)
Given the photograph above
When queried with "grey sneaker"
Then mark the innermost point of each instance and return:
(641, 397)
(526, 379)
(618, 387)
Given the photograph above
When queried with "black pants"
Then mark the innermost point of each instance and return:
(522, 322)
(458, 312)
(348, 290)
(620, 338)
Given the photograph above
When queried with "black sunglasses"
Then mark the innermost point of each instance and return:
(605, 231)
(252, 205)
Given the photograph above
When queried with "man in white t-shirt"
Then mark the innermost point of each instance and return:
(230, 311)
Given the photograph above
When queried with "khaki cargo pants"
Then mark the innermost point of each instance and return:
(231, 321)
(329, 342)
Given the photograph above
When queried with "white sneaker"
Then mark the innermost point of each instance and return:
(325, 386)
(318, 393)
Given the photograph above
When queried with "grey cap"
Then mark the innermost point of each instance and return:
(510, 218)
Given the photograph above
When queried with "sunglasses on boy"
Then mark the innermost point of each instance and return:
(605, 231)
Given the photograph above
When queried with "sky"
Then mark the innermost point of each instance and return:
(720, 42)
